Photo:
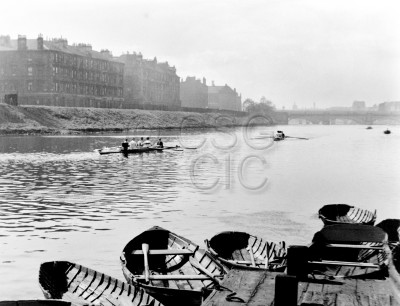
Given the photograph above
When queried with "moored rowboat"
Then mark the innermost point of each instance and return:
(349, 250)
(392, 228)
(169, 267)
(83, 286)
(242, 250)
(35, 303)
(342, 213)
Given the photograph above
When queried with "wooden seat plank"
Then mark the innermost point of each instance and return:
(354, 246)
(344, 263)
(165, 252)
(174, 277)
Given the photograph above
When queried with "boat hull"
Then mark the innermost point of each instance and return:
(35, 303)
(232, 249)
(185, 291)
(332, 214)
(83, 286)
(131, 151)
(350, 250)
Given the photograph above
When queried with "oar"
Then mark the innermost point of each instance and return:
(199, 267)
(145, 249)
(253, 262)
(262, 137)
(296, 137)
(266, 260)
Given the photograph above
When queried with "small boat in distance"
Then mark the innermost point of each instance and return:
(169, 267)
(244, 251)
(83, 286)
(279, 135)
(343, 213)
(369, 127)
(387, 131)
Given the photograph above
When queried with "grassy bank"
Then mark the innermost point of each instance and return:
(65, 120)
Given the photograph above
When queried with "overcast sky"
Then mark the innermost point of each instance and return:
(291, 51)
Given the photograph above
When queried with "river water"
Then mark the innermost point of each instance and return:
(61, 200)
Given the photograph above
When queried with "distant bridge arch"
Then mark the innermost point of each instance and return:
(341, 117)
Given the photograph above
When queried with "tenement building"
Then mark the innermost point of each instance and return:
(41, 72)
(224, 97)
(147, 82)
(393, 106)
(194, 93)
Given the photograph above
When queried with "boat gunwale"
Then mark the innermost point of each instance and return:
(124, 290)
(327, 221)
(231, 264)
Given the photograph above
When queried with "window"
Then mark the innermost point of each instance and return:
(30, 86)
(30, 71)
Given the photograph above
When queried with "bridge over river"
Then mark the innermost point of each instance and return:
(337, 117)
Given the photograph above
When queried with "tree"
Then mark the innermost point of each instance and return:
(263, 107)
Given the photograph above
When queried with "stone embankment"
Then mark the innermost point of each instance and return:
(69, 120)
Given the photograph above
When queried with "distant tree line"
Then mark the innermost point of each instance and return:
(264, 106)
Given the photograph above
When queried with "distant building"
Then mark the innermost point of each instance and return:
(52, 72)
(194, 93)
(359, 105)
(149, 82)
(389, 106)
(294, 107)
(224, 97)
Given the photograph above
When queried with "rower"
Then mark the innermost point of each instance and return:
(147, 142)
(140, 142)
(160, 143)
(132, 144)
(125, 145)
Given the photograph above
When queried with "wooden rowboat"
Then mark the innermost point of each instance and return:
(169, 267)
(83, 286)
(342, 213)
(392, 228)
(350, 250)
(130, 151)
(242, 250)
(35, 303)
(394, 272)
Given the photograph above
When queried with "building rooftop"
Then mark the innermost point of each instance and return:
(58, 44)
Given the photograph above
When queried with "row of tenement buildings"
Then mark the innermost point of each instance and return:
(51, 72)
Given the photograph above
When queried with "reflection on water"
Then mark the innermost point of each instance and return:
(61, 200)
(43, 193)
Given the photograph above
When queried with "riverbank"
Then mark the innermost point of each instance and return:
(69, 120)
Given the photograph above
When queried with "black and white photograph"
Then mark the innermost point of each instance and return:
(199, 153)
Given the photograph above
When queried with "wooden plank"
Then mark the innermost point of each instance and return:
(174, 277)
(344, 263)
(253, 287)
(313, 295)
(350, 233)
(354, 246)
(345, 300)
(165, 252)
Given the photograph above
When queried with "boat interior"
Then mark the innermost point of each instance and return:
(173, 261)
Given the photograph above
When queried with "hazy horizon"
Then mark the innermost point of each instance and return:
(303, 52)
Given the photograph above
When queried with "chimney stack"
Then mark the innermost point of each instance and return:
(40, 42)
(22, 42)
(204, 81)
